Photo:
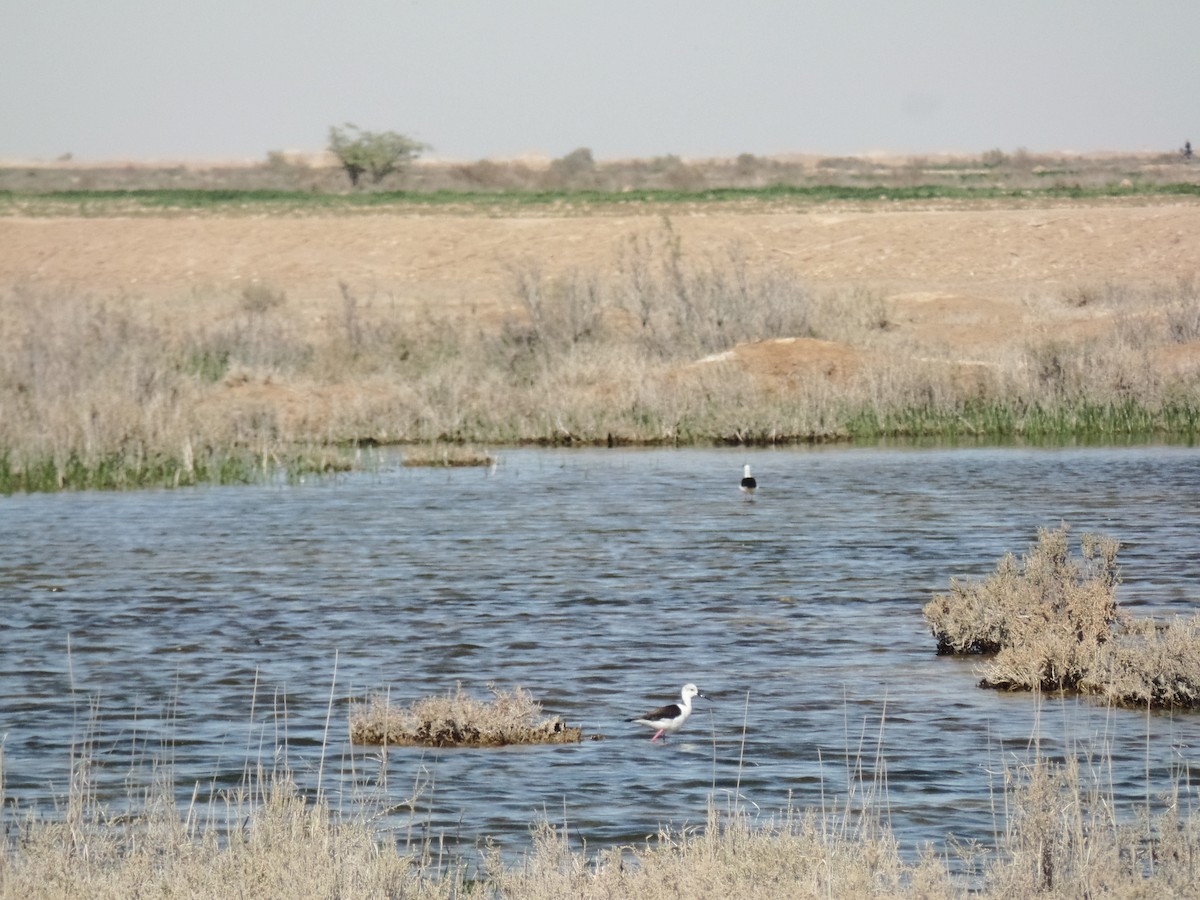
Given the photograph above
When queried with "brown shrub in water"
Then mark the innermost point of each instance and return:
(1053, 623)
(447, 456)
(1046, 592)
(1150, 664)
(459, 720)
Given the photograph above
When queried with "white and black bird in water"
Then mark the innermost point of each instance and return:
(749, 484)
(669, 719)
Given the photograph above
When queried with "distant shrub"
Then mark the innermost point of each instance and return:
(577, 162)
(377, 154)
(993, 158)
(746, 164)
(260, 298)
(575, 170)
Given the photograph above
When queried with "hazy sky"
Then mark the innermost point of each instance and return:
(150, 79)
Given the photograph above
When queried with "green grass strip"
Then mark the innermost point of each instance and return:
(225, 199)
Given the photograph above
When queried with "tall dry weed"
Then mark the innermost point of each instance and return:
(1063, 837)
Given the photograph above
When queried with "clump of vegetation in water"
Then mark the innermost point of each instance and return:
(448, 456)
(1053, 623)
(460, 720)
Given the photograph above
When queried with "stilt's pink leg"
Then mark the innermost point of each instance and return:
(657, 736)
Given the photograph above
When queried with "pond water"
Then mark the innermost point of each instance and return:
(199, 632)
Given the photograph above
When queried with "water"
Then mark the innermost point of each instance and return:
(201, 631)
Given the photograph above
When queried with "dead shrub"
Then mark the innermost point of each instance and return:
(1047, 591)
(1053, 623)
(1150, 664)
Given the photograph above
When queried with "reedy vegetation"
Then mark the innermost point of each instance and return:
(95, 393)
(1059, 835)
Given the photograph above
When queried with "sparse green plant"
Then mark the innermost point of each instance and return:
(376, 154)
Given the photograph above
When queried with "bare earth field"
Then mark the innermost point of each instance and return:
(965, 275)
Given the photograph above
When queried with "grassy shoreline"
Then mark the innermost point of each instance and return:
(217, 386)
(95, 395)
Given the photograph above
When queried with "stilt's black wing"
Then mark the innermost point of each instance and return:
(665, 712)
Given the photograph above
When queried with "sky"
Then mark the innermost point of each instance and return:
(496, 79)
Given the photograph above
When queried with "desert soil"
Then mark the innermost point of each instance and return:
(967, 275)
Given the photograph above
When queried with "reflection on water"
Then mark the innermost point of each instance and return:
(209, 630)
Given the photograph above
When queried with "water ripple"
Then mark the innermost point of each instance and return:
(201, 629)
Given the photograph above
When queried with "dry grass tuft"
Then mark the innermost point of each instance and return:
(460, 720)
(732, 854)
(1064, 837)
(269, 841)
(1053, 623)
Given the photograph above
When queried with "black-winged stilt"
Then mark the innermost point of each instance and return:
(669, 719)
(748, 482)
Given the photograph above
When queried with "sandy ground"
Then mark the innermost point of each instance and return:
(965, 274)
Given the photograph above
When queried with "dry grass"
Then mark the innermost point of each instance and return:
(733, 854)
(269, 842)
(460, 720)
(1053, 623)
(1063, 837)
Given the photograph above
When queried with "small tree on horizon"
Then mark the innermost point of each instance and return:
(372, 153)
